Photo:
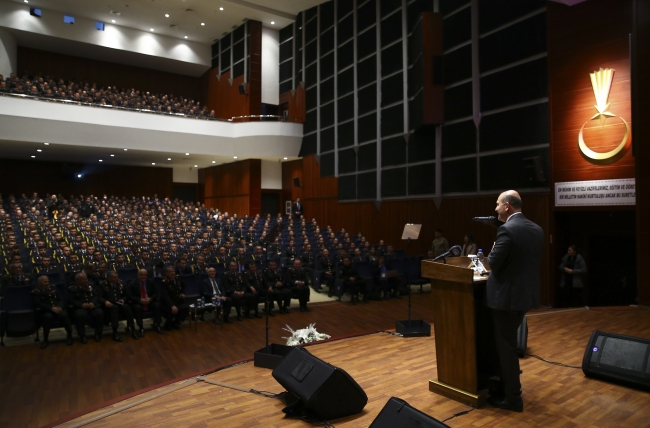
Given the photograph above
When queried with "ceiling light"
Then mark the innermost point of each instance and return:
(26, 1)
(272, 22)
(169, 158)
(33, 156)
(187, 154)
(126, 149)
(221, 8)
(214, 161)
(47, 144)
(234, 157)
(113, 21)
(166, 15)
(151, 29)
(101, 160)
(39, 150)
(112, 156)
(153, 163)
(186, 37)
(196, 166)
(78, 175)
(203, 23)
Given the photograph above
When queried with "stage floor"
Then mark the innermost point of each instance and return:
(386, 365)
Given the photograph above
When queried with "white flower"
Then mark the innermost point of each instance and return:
(304, 335)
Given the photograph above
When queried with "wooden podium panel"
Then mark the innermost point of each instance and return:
(454, 322)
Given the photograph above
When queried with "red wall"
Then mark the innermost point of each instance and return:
(234, 187)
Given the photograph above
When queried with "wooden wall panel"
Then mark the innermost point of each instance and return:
(239, 205)
(224, 98)
(233, 187)
(18, 177)
(255, 68)
(103, 73)
(255, 186)
(432, 46)
(642, 151)
(295, 101)
(291, 170)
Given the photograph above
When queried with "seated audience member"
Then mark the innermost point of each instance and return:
(145, 297)
(212, 291)
(281, 293)
(45, 266)
(440, 245)
(51, 307)
(115, 301)
(157, 270)
(298, 280)
(256, 284)
(239, 291)
(182, 267)
(351, 280)
(15, 277)
(388, 285)
(87, 300)
(200, 266)
(172, 292)
(328, 277)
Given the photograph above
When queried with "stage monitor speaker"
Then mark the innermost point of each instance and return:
(316, 387)
(618, 358)
(399, 413)
(296, 182)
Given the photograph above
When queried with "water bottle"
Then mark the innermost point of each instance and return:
(214, 300)
(202, 302)
(218, 301)
(198, 304)
(480, 255)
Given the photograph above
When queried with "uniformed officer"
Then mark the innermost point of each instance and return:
(116, 304)
(86, 300)
(238, 290)
(256, 284)
(298, 280)
(173, 305)
(51, 308)
(328, 276)
(351, 279)
(281, 293)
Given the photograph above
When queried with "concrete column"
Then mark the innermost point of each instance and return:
(8, 53)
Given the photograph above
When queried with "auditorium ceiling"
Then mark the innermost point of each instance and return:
(185, 16)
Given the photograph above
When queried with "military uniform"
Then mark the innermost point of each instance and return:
(44, 300)
(171, 291)
(328, 277)
(199, 268)
(347, 272)
(281, 294)
(291, 253)
(299, 275)
(116, 294)
(235, 283)
(256, 280)
(95, 316)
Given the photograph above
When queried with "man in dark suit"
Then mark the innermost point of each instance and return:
(172, 292)
(513, 288)
(211, 289)
(298, 281)
(143, 295)
(297, 209)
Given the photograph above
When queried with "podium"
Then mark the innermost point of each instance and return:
(462, 324)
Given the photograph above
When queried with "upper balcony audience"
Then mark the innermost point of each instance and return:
(48, 88)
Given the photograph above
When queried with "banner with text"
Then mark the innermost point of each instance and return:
(595, 193)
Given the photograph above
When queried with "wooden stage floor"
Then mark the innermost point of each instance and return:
(41, 387)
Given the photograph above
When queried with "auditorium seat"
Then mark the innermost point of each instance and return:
(17, 316)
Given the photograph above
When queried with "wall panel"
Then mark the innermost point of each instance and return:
(233, 187)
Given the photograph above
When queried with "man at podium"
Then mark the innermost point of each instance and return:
(513, 288)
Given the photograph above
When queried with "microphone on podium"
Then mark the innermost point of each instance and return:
(453, 252)
(490, 221)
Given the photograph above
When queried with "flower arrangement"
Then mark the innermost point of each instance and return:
(304, 335)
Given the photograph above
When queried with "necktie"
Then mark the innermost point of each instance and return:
(215, 288)
(143, 294)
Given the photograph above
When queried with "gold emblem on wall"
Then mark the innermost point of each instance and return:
(601, 82)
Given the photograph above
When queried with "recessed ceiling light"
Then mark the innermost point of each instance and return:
(151, 29)
(126, 149)
(234, 157)
(214, 161)
(33, 156)
(186, 37)
(187, 154)
(78, 175)
(26, 1)
(47, 144)
(112, 156)
(113, 21)
(272, 22)
(166, 15)
(153, 163)
(221, 8)
(101, 160)
(203, 23)
(196, 166)
(169, 158)
(39, 150)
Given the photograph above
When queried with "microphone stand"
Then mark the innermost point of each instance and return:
(271, 355)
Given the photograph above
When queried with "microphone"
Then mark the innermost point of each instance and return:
(453, 252)
(490, 221)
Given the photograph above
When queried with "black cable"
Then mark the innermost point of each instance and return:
(266, 393)
(464, 412)
(555, 363)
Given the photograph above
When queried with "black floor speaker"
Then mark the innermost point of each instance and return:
(397, 413)
(618, 358)
(315, 387)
